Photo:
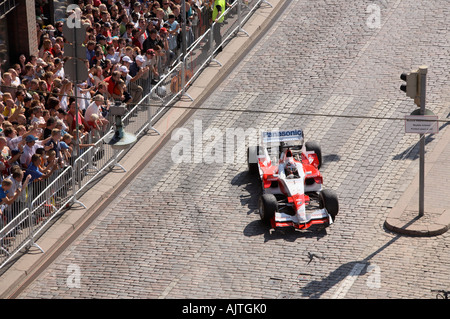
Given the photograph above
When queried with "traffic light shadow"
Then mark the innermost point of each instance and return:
(316, 288)
(412, 152)
(446, 123)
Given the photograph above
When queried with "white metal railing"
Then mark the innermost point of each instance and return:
(41, 202)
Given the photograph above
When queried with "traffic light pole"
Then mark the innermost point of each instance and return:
(77, 140)
(415, 87)
(423, 84)
(75, 32)
(75, 69)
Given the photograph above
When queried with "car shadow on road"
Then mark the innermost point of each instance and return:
(250, 192)
(289, 234)
(328, 158)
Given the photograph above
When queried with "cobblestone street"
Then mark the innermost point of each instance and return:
(192, 230)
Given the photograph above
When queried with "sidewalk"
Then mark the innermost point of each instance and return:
(404, 217)
(70, 225)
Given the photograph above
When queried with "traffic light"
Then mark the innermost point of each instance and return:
(411, 88)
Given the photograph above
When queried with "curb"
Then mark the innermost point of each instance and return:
(435, 228)
(61, 234)
(415, 227)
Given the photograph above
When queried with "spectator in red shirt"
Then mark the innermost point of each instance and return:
(135, 38)
(112, 82)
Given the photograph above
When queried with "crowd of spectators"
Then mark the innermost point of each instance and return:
(126, 42)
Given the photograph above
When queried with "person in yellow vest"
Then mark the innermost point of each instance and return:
(219, 7)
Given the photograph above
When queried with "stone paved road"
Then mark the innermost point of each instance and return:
(192, 230)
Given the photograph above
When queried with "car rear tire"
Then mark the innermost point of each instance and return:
(252, 159)
(314, 146)
(268, 205)
(329, 200)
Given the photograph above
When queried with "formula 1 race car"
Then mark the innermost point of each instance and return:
(292, 194)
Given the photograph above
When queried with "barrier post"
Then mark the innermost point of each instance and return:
(239, 10)
(31, 224)
(183, 79)
(76, 172)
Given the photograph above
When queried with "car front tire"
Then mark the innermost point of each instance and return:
(268, 206)
(329, 200)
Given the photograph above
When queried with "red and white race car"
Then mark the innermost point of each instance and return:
(292, 194)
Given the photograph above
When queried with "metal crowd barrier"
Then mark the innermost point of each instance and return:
(33, 212)
(53, 199)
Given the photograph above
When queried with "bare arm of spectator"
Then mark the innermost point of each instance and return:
(69, 121)
(17, 111)
(139, 74)
(8, 200)
(85, 123)
(166, 44)
(43, 142)
(86, 145)
(18, 155)
(118, 97)
(50, 167)
(175, 31)
(48, 173)
(32, 130)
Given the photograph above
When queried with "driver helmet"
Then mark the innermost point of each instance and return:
(290, 168)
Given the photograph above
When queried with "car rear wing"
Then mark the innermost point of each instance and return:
(282, 136)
